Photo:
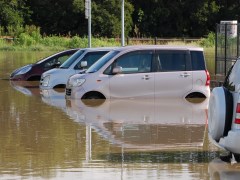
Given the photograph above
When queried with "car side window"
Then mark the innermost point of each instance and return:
(56, 61)
(134, 62)
(62, 59)
(91, 58)
(170, 61)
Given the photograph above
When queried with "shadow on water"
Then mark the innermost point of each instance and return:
(162, 157)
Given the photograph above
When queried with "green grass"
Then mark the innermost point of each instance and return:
(29, 38)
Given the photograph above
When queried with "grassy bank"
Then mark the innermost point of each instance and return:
(30, 39)
(55, 43)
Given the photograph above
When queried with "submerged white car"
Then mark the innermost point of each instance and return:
(224, 113)
(144, 71)
(78, 62)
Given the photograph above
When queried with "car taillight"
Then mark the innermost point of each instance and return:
(208, 78)
(237, 118)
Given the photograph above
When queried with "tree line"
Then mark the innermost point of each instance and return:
(151, 18)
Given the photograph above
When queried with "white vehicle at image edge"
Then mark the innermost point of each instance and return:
(78, 62)
(144, 71)
(224, 114)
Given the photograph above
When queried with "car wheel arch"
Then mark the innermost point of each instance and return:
(93, 95)
(59, 86)
(34, 78)
(195, 95)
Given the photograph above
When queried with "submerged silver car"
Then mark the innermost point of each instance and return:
(144, 72)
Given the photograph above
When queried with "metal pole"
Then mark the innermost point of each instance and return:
(88, 143)
(216, 46)
(225, 51)
(123, 36)
(237, 40)
(89, 24)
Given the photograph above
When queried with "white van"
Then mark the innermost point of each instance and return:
(78, 62)
(144, 71)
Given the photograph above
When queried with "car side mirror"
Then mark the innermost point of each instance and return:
(84, 64)
(117, 70)
(56, 64)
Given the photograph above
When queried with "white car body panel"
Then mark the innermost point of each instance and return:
(178, 79)
(131, 85)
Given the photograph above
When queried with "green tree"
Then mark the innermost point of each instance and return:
(68, 17)
(59, 17)
(202, 17)
(229, 10)
(13, 13)
(176, 18)
(106, 17)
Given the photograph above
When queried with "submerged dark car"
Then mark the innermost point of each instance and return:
(33, 72)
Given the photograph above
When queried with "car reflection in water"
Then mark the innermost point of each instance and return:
(144, 124)
(28, 88)
(54, 97)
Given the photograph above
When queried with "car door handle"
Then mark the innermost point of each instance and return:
(185, 75)
(146, 77)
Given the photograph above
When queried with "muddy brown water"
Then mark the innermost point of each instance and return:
(44, 136)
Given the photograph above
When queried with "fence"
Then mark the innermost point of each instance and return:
(226, 47)
(162, 41)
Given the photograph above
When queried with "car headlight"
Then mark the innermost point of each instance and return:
(24, 70)
(45, 80)
(76, 82)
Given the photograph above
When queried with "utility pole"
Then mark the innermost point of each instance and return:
(123, 36)
(88, 16)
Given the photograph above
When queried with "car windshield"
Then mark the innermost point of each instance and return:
(97, 65)
(72, 59)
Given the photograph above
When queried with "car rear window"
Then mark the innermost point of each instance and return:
(197, 59)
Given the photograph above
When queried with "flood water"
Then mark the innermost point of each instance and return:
(44, 136)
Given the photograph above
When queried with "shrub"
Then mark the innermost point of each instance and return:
(25, 40)
(209, 41)
(76, 42)
(52, 41)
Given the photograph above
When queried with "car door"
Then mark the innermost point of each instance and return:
(136, 78)
(173, 78)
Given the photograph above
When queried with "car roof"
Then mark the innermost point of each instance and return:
(99, 49)
(158, 47)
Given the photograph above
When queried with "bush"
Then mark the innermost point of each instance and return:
(103, 42)
(25, 40)
(209, 41)
(30, 38)
(52, 41)
(76, 42)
